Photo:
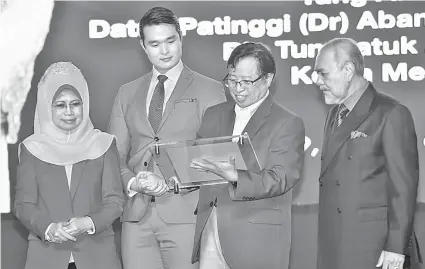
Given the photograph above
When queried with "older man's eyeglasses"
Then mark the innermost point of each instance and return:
(231, 83)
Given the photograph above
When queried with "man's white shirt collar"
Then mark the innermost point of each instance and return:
(173, 74)
(250, 110)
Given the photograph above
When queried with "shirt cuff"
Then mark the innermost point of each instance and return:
(46, 235)
(131, 192)
(93, 228)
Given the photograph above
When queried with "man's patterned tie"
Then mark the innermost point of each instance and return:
(155, 109)
(157, 103)
(342, 113)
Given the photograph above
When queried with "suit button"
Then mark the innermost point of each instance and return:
(156, 139)
(321, 157)
(350, 157)
(145, 163)
(339, 210)
(320, 183)
(211, 204)
(337, 183)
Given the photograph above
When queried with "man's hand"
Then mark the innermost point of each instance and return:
(57, 233)
(390, 260)
(77, 226)
(150, 184)
(173, 183)
(224, 169)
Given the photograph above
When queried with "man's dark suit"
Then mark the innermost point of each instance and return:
(254, 219)
(367, 184)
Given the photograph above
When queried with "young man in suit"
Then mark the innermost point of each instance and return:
(246, 224)
(167, 104)
(369, 173)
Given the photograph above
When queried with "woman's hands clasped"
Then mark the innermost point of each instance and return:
(57, 234)
(60, 232)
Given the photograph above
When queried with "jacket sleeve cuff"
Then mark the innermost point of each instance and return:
(93, 228)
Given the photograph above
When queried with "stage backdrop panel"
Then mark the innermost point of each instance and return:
(101, 38)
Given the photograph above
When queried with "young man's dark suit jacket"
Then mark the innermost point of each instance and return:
(367, 184)
(43, 197)
(254, 218)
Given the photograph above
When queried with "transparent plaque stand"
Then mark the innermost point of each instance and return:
(174, 158)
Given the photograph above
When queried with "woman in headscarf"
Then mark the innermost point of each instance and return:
(68, 190)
